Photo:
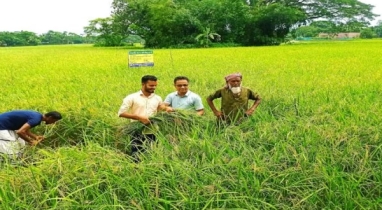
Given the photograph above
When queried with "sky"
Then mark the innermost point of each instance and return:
(40, 16)
(376, 10)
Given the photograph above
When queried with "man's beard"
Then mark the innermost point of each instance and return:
(149, 90)
(235, 90)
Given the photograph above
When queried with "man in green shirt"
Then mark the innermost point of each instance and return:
(234, 100)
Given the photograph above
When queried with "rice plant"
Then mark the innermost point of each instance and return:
(313, 143)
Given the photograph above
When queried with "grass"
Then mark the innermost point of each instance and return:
(313, 143)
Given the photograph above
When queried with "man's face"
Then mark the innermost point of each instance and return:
(234, 82)
(181, 86)
(149, 86)
(50, 120)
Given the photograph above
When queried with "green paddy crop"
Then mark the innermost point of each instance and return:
(313, 143)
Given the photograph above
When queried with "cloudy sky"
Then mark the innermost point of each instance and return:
(39, 16)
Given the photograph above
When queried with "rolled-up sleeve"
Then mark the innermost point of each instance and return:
(168, 100)
(253, 95)
(126, 105)
(215, 95)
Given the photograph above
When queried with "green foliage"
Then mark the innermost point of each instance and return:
(328, 27)
(173, 125)
(166, 23)
(204, 39)
(132, 39)
(367, 33)
(225, 44)
(309, 145)
(105, 32)
(378, 29)
(306, 31)
(272, 24)
(56, 37)
(352, 26)
(26, 38)
(20, 38)
(332, 28)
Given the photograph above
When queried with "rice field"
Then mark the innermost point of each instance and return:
(314, 142)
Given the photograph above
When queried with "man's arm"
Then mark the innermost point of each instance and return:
(123, 111)
(34, 136)
(253, 107)
(38, 139)
(212, 106)
(198, 104)
(165, 106)
(24, 133)
(143, 119)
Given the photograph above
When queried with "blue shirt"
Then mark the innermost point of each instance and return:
(14, 120)
(190, 101)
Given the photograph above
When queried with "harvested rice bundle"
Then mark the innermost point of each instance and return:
(132, 129)
(168, 123)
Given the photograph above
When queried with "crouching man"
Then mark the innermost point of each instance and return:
(15, 130)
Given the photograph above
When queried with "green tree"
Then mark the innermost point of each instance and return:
(104, 31)
(73, 38)
(367, 33)
(19, 38)
(8, 39)
(164, 23)
(272, 23)
(205, 38)
(161, 23)
(335, 10)
(53, 37)
(378, 29)
(328, 27)
(228, 18)
(28, 38)
(352, 26)
(306, 31)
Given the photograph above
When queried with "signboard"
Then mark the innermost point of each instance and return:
(141, 58)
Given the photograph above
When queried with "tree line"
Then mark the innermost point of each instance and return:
(332, 29)
(169, 23)
(200, 23)
(27, 38)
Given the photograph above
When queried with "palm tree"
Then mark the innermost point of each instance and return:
(206, 36)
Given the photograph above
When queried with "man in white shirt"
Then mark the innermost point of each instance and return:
(183, 98)
(140, 106)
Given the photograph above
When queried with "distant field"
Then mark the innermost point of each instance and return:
(315, 141)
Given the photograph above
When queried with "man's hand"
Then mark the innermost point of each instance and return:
(218, 114)
(144, 120)
(39, 138)
(34, 143)
(169, 109)
(249, 112)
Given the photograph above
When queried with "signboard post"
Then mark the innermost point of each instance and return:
(141, 58)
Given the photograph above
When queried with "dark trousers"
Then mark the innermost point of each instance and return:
(138, 141)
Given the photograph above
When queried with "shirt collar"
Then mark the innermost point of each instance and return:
(187, 94)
